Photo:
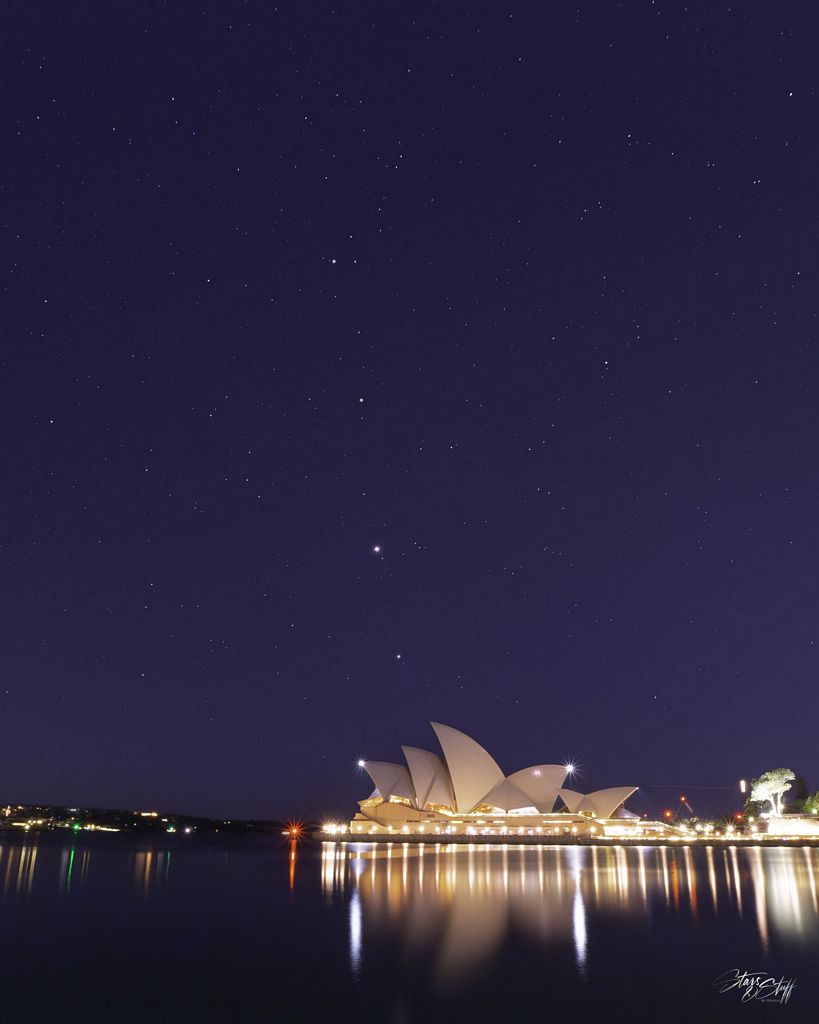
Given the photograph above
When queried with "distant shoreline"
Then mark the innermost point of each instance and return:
(28, 818)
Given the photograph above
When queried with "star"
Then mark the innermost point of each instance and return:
(377, 549)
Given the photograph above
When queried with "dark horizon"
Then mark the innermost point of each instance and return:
(723, 802)
(706, 801)
(370, 367)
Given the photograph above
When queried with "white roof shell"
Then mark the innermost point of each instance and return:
(603, 802)
(468, 776)
(507, 797)
(391, 779)
(430, 778)
(473, 771)
(571, 799)
(540, 783)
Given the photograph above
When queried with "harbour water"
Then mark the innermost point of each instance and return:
(117, 928)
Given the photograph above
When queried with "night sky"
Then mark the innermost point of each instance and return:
(524, 296)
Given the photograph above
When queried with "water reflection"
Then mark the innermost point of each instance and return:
(355, 932)
(73, 865)
(292, 876)
(579, 925)
(20, 865)
(151, 868)
(458, 904)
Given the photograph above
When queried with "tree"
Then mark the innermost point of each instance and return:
(797, 796)
(811, 804)
(752, 809)
(770, 786)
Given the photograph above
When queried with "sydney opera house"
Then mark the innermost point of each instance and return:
(465, 793)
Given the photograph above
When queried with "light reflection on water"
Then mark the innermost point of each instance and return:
(460, 903)
(444, 934)
(151, 869)
(18, 865)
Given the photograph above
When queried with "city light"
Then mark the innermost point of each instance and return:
(333, 828)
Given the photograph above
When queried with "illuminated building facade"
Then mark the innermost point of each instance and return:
(791, 825)
(464, 792)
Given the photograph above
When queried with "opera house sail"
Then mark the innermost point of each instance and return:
(463, 792)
